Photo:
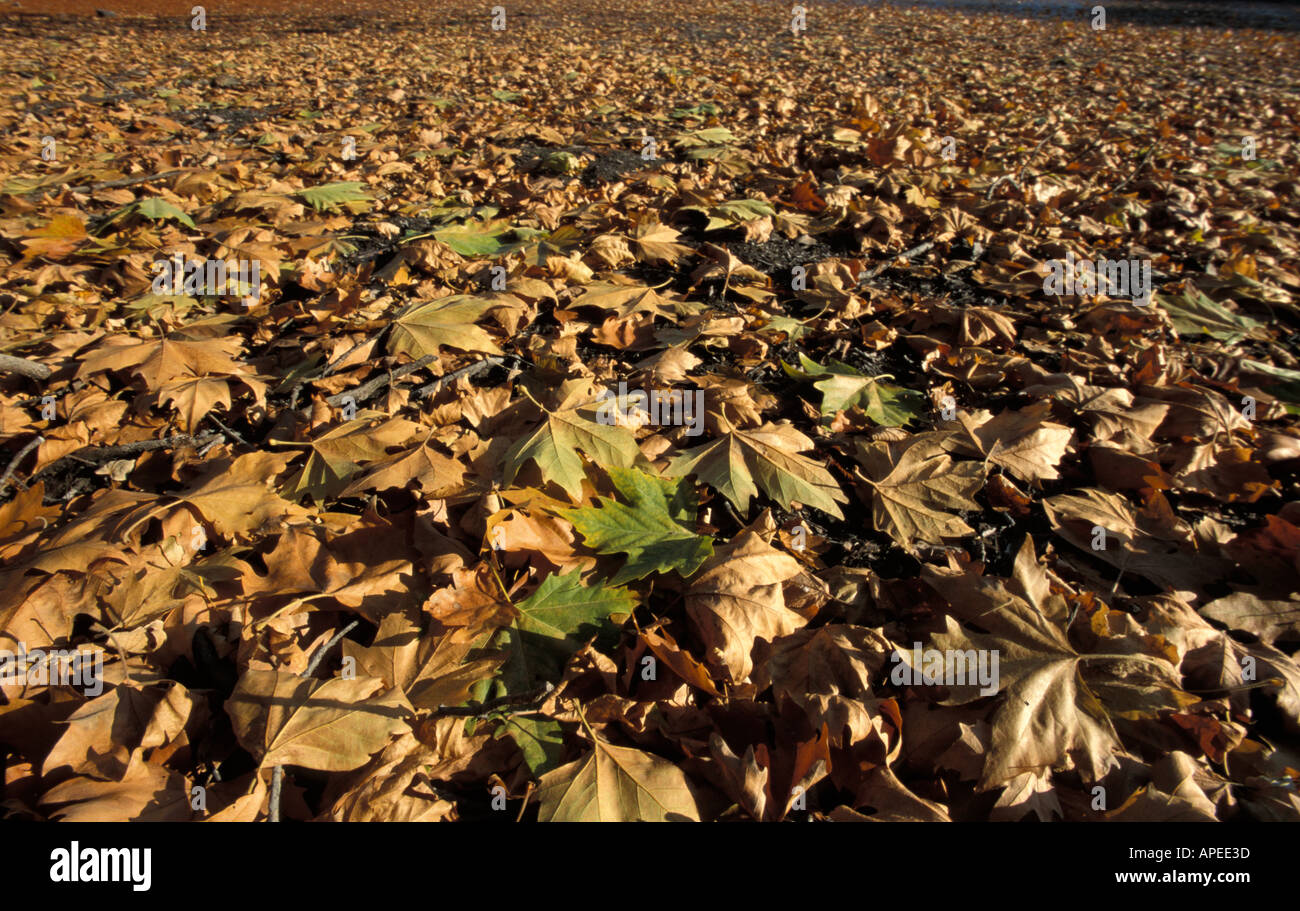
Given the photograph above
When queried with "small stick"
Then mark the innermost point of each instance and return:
(1020, 175)
(366, 391)
(324, 650)
(484, 708)
(1005, 178)
(334, 364)
(93, 455)
(906, 254)
(23, 367)
(1142, 164)
(230, 433)
(528, 792)
(471, 370)
(124, 182)
(13, 463)
(277, 782)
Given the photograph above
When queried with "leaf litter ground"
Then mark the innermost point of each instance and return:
(371, 544)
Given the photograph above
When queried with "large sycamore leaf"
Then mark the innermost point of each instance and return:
(387, 788)
(101, 734)
(1049, 717)
(741, 462)
(431, 670)
(913, 485)
(624, 300)
(842, 387)
(194, 397)
(554, 447)
(738, 598)
(332, 725)
(234, 498)
(1053, 713)
(1023, 442)
(145, 792)
(448, 321)
(651, 526)
(436, 474)
(554, 622)
(157, 362)
(616, 784)
(657, 243)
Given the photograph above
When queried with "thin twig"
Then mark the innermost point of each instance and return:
(1005, 178)
(471, 370)
(23, 367)
(13, 463)
(277, 773)
(125, 181)
(94, 455)
(1142, 164)
(1020, 175)
(524, 701)
(230, 433)
(906, 254)
(368, 390)
(324, 650)
(277, 783)
(528, 792)
(334, 364)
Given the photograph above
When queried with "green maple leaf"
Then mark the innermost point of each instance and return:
(540, 739)
(650, 528)
(842, 387)
(553, 623)
(159, 209)
(329, 197)
(154, 209)
(478, 238)
(445, 321)
(742, 210)
(710, 137)
(1194, 313)
(554, 447)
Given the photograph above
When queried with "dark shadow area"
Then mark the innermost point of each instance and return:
(1182, 13)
